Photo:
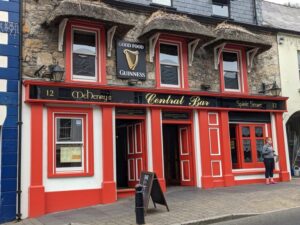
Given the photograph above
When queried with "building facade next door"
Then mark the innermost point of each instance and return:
(178, 155)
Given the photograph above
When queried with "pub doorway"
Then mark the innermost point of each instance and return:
(178, 155)
(130, 152)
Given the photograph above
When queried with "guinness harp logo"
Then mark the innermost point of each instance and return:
(132, 58)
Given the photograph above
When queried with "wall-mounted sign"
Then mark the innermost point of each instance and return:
(148, 98)
(131, 60)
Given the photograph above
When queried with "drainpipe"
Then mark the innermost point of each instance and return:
(19, 191)
(255, 12)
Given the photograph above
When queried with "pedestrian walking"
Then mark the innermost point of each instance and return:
(269, 154)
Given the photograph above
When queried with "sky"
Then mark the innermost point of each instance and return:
(285, 1)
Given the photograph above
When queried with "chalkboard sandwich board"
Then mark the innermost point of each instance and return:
(151, 187)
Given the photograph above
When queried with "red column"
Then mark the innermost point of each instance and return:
(225, 148)
(36, 189)
(284, 174)
(157, 150)
(109, 193)
(207, 180)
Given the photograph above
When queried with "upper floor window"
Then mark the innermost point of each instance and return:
(85, 54)
(299, 63)
(231, 71)
(84, 48)
(169, 65)
(220, 8)
(163, 2)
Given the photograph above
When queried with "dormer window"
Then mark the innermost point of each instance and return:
(220, 8)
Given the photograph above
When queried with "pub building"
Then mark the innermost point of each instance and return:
(142, 90)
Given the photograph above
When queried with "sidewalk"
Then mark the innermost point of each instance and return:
(186, 204)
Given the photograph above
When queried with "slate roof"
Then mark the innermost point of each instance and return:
(281, 16)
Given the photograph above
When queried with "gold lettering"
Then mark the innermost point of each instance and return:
(50, 93)
(170, 100)
(196, 101)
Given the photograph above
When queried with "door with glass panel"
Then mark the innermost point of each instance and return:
(251, 142)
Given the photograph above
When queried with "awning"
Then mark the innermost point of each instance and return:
(97, 11)
(228, 33)
(177, 24)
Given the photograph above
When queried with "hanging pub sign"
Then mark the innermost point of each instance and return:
(131, 60)
(148, 98)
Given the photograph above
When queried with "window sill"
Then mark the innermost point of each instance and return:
(68, 174)
(160, 6)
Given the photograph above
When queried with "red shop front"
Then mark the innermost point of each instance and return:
(88, 143)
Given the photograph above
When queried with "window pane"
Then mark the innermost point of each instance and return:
(259, 132)
(162, 2)
(169, 74)
(246, 132)
(68, 155)
(230, 61)
(259, 147)
(69, 130)
(84, 65)
(84, 42)
(220, 10)
(247, 151)
(169, 54)
(231, 80)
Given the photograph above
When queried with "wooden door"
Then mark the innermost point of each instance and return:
(136, 153)
(186, 158)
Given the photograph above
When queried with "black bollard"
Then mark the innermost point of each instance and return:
(139, 204)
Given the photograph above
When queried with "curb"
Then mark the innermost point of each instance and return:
(217, 219)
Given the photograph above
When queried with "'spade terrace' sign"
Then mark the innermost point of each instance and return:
(131, 97)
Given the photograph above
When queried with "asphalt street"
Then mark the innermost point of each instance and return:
(285, 217)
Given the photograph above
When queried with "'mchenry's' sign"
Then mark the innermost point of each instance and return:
(132, 97)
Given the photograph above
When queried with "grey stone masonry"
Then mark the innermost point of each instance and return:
(240, 10)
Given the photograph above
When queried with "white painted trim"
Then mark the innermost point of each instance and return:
(3, 16)
(136, 168)
(110, 38)
(3, 38)
(25, 157)
(61, 33)
(217, 119)
(248, 170)
(141, 137)
(114, 144)
(252, 177)
(3, 114)
(162, 145)
(182, 170)
(197, 150)
(149, 140)
(180, 141)
(3, 61)
(220, 165)
(274, 137)
(219, 146)
(287, 154)
(129, 150)
(152, 43)
(191, 48)
(129, 177)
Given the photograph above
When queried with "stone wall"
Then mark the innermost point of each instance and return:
(40, 48)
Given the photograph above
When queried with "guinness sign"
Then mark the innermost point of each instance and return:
(131, 60)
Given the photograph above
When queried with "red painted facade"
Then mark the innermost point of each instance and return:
(145, 136)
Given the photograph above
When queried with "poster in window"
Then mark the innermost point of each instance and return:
(70, 154)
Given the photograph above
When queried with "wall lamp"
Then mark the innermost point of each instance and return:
(132, 82)
(273, 89)
(54, 73)
(205, 87)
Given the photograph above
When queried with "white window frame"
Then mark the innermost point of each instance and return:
(159, 2)
(220, 4)
(240, 71)
(179, 66)
(68, 169)
(298, 59)
(97, 62)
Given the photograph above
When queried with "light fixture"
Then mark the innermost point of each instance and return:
(56, 73)
(205, 87)
(280, 40)
(273, 89)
